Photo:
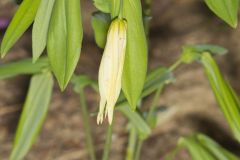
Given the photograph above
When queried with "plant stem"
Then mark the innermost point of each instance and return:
(131, 143)
(120, 15)
(86, 125)
(138, 150)
(175, 65)
(154, 103)
(150, 113)
(108, 143)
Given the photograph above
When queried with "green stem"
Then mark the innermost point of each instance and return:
(131, 143)
(138, 150)
(150, 113)
(108, 143)
(86, 125)
(120, 15)
(154, 103)
(175, 65)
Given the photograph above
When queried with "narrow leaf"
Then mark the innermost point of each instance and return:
(192, 53)
(219, 152)
(19, 24)
(202, 147)
(197, 151)
(100, 24)
(225, 95)
(135, 65)
(157, 78)
(65, 39)
(33, 115)
(211, 48)
(40, 28)
(136, 120)
(225, 9)
(23, 67)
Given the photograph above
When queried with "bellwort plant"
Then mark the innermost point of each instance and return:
(121, 28)
(111, 68)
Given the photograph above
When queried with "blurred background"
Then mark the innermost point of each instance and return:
(189, 102)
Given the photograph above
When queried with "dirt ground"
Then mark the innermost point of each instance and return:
(191, 106)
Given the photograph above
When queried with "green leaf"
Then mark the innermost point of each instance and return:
(227, 10)
(102, 5)
(65, 39)
(115, 8)
(135, 65)
(152, 118)
(23, 67)
(197, 151)
(19, 24)
(192, 53)
(219, 152)
(211, 48)
(202, 147)
(40, 28)
(225, 95)
(157, 78)
(136, 120)
(34, 113)
(100, 24)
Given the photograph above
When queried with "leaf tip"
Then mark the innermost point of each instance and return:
(234, 25)
(63, 86)
(34, 59)
(3, 54)
(133, 105)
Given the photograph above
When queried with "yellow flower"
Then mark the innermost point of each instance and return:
(111, 68)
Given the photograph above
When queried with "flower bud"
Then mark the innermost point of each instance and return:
(111, 68)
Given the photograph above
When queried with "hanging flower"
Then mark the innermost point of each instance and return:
(111, 68)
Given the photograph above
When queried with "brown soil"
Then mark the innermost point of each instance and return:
(191, 106)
